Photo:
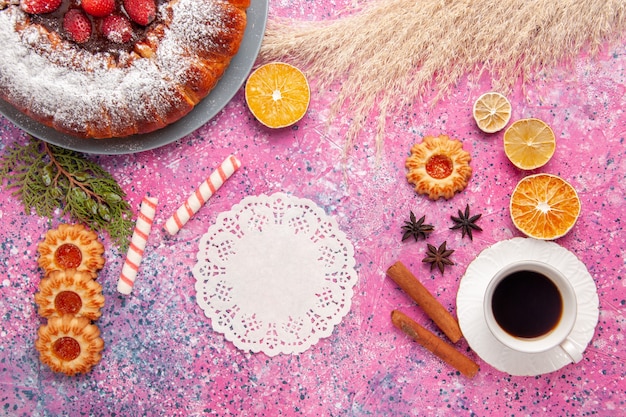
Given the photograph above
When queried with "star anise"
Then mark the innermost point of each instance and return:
(416, 228)
(466, 223)
(438, 256)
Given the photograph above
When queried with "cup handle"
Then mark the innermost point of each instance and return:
(572, 351)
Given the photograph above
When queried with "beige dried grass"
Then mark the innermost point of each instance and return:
(391, 53)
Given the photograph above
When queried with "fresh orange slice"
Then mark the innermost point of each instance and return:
(529, 143)
(492, 111)
(544, 206)
(277, 94)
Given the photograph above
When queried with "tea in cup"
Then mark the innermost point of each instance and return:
(531, 307)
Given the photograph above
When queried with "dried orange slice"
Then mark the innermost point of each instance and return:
(529, 143)
(277, 94)
(492, 111)
(544, 206)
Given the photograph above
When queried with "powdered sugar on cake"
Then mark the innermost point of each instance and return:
(82, 92)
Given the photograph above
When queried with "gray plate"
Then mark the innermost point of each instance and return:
(223, 92)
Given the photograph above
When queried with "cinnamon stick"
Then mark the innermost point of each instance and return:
(430, 341)
(433, 308)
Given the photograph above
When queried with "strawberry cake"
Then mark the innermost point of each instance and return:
(114, 68)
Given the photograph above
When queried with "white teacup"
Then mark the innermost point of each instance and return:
(531, 307)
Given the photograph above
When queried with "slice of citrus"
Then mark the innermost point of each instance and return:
(492, 111)
(277, 94)
(544, 206)
(529, 143)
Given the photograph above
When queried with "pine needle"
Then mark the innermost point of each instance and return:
(46, 178)
(395, 52)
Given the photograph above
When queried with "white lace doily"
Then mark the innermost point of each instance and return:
(275, 274)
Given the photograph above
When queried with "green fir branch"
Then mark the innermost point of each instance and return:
(45, 177)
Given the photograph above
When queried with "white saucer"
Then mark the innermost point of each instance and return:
(470, 304)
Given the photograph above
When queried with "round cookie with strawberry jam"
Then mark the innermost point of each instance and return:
(71, 247)
(69, 292)
(438, 167)
(69, 344)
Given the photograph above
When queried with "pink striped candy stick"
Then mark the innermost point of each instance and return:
(202, 194)
(137, 245)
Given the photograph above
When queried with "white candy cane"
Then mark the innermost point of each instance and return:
(137, 245)
(202, 194)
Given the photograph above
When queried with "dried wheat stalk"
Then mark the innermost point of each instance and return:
(393, 52)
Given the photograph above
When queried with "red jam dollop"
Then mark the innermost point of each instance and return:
(66, 348)
(68, 256)
(439, 166)
(67, 302)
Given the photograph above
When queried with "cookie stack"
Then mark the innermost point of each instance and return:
(70, 299)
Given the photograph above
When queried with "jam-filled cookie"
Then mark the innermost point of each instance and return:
(69, 292)
(69, 344)
(71, 247)
(438, 167)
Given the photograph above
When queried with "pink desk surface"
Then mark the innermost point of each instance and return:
(162, 357)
